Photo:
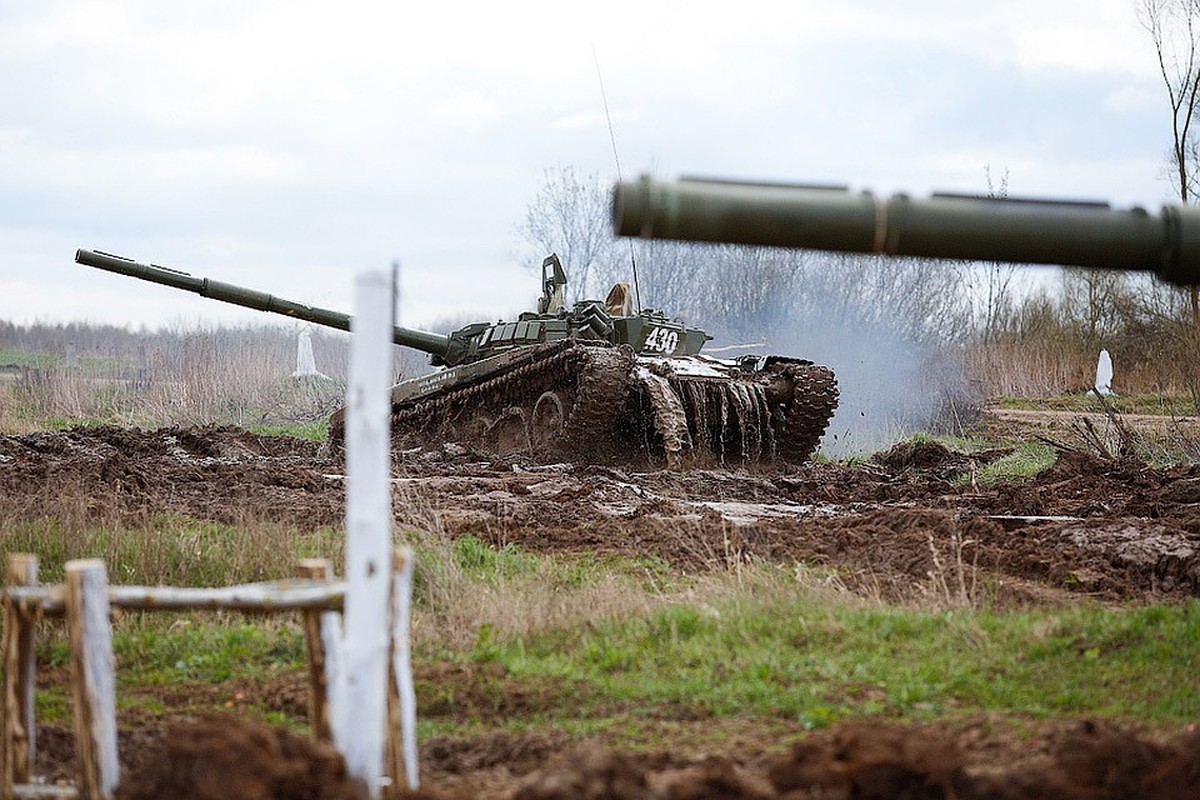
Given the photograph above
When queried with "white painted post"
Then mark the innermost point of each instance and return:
(95, 680)
(402, 665)
(360, 711)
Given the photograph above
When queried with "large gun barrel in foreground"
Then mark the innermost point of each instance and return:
(436, 344)
(941, 226)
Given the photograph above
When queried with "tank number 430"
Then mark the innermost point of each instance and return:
(662, 340)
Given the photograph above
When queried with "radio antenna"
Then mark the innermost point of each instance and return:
(612, 137)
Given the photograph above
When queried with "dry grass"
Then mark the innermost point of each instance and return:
(953, 580)
(231, 376)
(1017, 367)
(465, 587)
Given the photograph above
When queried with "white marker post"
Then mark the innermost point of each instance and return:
(361, 708)
(1104, 373)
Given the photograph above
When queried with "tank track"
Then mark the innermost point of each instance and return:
(814, 399)
(611, 397)
(601, 396)
(775, 414)
(595, 375)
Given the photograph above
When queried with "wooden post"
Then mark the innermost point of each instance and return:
(402, 699)
(19, 746)
(361, 695)
(318, 628)
(93, 679)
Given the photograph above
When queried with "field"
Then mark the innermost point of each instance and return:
(1012, 621)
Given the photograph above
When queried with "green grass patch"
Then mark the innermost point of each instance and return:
(12, 357)
(206, 651)
(314, 430)
(1027, 460)
(819, 664)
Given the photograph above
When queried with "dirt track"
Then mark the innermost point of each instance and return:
(1112, 531)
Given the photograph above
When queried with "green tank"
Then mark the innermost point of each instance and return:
(1083, 234)
(593, 381)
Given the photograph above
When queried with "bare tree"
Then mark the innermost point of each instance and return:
(995, 295)
(570, 217)
(1174, 27)
(1093, 301)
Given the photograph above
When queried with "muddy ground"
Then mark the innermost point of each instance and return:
(1087, 529)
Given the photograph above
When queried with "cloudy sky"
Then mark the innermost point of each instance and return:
(290, 145)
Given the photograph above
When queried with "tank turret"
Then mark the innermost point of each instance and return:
(1084, 234)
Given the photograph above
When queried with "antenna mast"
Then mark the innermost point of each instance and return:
(612, 137)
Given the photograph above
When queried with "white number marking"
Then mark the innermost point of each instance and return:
(662, 340)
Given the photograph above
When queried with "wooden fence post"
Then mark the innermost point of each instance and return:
(94, 678)
(322, 637)
(19, 745)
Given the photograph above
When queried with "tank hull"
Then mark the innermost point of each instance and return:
(588, 401)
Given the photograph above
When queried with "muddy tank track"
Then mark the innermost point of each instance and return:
(601, 395)
(814, 399)
(595, 377)
(607, 401)
(778, 414)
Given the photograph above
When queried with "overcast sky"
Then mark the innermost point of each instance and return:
(290, 145)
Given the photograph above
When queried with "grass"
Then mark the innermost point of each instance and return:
(173, 550)
(12, 357)
(218, 377)
(815, 662)
(1177, 404)
(769, 642)
(1023, 463)
(313, 430)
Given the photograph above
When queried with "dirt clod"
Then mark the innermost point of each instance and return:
(222, 757)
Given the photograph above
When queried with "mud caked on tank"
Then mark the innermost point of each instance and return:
(595, 381)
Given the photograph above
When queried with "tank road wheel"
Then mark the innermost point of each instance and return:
(547, 425)
(475, 431)
(510, 433)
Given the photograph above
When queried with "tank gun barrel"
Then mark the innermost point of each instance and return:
(1083, 234)
(436, 344)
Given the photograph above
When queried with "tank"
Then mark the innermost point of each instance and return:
(596, 381)
(1069, 233)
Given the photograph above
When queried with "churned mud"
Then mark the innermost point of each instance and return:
(1101, 529)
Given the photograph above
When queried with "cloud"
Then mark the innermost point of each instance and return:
(289, 144)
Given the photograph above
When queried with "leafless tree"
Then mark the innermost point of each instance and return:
(570, 217)
(1094, 302)
(915, 299)
(1174, 28)
(996, 293)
